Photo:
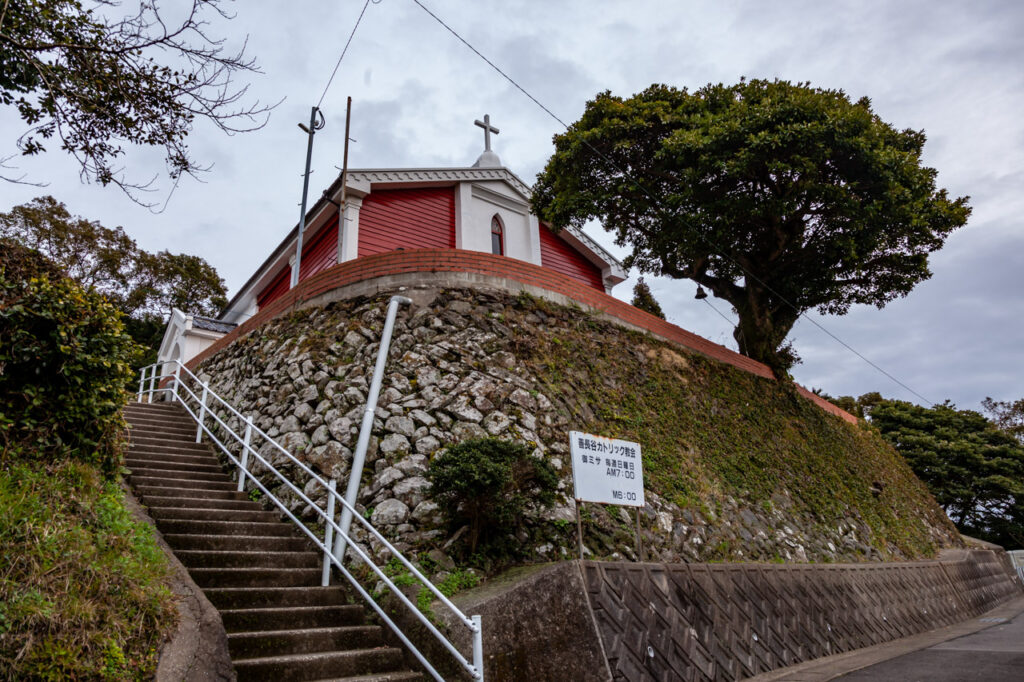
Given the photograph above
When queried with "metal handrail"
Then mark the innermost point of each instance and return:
(200, 409)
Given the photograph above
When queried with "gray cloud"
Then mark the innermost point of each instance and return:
(952, 69)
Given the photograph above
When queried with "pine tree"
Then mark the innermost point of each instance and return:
(644, 299)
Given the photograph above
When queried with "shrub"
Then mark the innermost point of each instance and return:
(487, 484)
(65, 360)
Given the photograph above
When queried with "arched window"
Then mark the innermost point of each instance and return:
(497, 236)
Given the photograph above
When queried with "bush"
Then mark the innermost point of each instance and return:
(486, 484)
(65, 360)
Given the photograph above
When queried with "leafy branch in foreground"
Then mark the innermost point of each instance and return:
(96, 83)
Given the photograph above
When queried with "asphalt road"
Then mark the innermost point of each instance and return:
(995, 654)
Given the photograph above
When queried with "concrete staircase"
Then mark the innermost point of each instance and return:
(259, 571)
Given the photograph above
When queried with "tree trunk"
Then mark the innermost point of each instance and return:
(762, 330)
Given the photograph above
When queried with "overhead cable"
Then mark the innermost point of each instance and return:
(656, 202)
(343, 51)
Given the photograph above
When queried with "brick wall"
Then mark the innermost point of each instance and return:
(453, 260)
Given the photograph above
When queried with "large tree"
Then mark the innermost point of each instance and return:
(777, 197)
(94, 79)
(144, 286)
(106, 259)
(1008, 416)
(974, 469)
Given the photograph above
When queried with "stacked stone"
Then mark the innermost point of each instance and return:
(452, 375)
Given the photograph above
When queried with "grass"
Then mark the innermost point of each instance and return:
(82, 584)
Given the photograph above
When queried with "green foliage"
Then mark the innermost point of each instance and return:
(65, 360)
(140, 284)
(98, 83)
(1008, 416)
(710, 430)
(767, 193)
(82, 591)
(487, 483)
(859, 407)
(974, 469)
(451, 584)
(644, 299)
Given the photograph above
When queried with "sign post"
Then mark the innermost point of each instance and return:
(608, 471)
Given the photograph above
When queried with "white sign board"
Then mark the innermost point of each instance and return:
(606, 470)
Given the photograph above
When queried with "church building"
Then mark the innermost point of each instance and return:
(484, 207)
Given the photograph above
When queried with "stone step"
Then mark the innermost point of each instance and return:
(306, 640)
(155, 424)
(205, 558)
(397, 676)
(295, 667)
(148, 419)
(213, 514)
(189, 492)
(170, 433)
(174, 446)
(172, 453)
(141, 482)
(168, 468)
(255, 577)
(182, 475)
(156, 411)
(250, 620)
(238, 543)
(154, 501)
(235, 598)
(227, 528)
(184, 479)
(146, 456)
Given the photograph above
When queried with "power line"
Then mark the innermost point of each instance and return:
(343, 51)
(657, 204)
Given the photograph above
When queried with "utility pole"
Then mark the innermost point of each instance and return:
(316, 122)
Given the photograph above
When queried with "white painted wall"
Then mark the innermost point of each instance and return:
(182, 341)
(485, 200)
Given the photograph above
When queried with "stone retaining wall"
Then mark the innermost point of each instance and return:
(438, 266)
(459, 370)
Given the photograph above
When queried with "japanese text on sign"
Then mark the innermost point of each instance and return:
(606, 470)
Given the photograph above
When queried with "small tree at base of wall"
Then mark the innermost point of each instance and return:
(485, 484)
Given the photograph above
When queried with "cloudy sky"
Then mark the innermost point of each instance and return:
(953, 69)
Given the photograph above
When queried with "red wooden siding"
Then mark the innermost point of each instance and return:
(277, 287)
(320, 251)
(560, 257)
(407, 219)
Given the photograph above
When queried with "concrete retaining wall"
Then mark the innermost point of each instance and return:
(704, 622)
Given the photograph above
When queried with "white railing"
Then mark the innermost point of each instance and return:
(183, 386)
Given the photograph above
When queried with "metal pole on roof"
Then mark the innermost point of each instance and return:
(316, 122)
(344, 181)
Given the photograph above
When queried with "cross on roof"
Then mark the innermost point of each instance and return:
(488, 129)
